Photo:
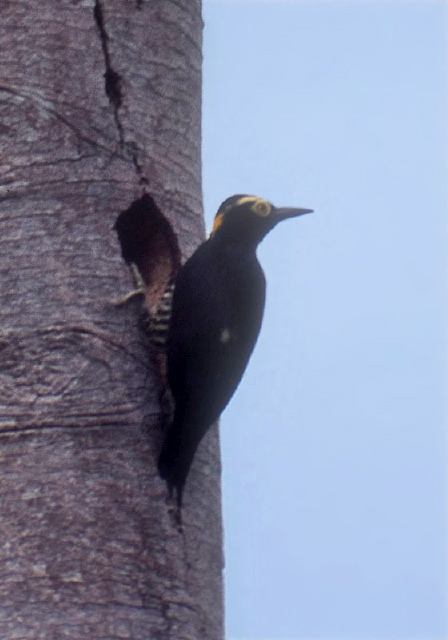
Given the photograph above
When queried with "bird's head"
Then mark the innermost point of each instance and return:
(247, 219)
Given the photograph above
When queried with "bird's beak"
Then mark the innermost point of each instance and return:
(288, 212)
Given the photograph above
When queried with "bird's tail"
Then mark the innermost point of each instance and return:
(176, 457)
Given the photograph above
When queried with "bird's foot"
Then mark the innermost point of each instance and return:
(138, 291)
(129, 296)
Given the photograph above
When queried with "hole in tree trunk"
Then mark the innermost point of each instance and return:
(148, 241)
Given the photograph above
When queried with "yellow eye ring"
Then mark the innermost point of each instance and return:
(261, 208)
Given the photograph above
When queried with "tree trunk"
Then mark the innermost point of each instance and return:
(100, 103)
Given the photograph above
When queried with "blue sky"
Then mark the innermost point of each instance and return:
(334, 447)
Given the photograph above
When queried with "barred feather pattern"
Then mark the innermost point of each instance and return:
(158, 326)
(159, 322)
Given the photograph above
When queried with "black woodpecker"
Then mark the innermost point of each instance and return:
(217, 309)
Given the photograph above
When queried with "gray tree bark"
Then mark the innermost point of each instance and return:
(100, 103)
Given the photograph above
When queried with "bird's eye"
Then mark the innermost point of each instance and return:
(261, 208)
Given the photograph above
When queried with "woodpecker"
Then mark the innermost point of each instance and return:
(216, 312)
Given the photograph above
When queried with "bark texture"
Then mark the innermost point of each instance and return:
(99, 103)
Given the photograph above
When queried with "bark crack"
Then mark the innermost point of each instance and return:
(113, 87)
(112, 79)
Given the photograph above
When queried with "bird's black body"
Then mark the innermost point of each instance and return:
(216, 316)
